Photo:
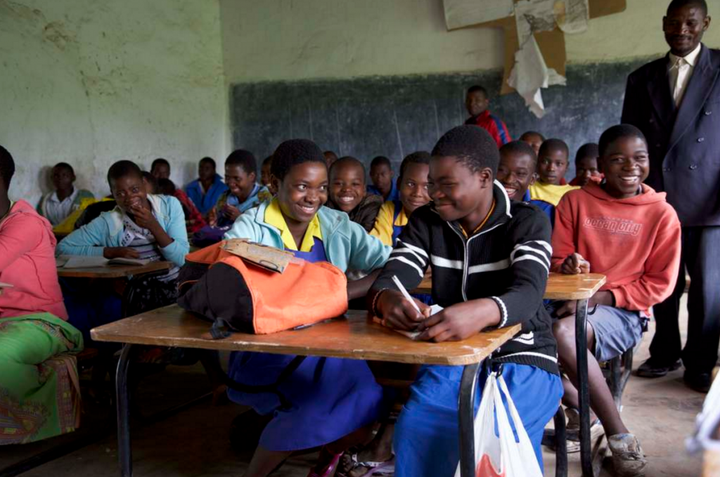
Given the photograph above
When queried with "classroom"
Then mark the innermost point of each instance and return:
(355, 238)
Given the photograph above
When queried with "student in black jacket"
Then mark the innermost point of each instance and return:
(490, 259)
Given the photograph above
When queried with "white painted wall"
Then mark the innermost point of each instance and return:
(293, 40)
(92, 82)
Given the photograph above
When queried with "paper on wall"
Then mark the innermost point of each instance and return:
(530, 74)
(462, 13)
(572, 16)
(533, 16)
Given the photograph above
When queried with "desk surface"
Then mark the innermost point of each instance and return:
(352, 337)
(113, 271)
(559, 287)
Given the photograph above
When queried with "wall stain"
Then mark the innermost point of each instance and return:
(55, 33)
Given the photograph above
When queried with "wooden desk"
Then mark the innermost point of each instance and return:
(114, 271)
(353, 337)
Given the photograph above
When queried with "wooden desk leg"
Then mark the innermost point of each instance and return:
(466, 415)
(123, 413)
(583, 388)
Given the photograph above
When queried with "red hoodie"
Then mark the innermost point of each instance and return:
(635, 242)
(27, 261)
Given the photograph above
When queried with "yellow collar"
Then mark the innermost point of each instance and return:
(402, 218)
(274, 217)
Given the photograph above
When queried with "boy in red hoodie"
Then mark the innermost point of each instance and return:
(625, 230)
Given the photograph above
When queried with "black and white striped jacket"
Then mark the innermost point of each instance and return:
(508, 260)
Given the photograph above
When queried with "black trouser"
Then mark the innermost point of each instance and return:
(701, 258)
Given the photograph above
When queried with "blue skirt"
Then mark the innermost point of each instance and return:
(426, 440)
(328, 398)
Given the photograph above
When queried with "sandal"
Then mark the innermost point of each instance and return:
(329, 469)
(376, 468)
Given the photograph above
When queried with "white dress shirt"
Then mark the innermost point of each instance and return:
(56, 211)
(680, 72)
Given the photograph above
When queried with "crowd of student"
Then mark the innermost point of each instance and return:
(490, 217)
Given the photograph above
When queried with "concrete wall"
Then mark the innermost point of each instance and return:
(90, 83)
(293, 40)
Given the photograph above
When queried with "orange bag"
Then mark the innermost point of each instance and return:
(241, 296)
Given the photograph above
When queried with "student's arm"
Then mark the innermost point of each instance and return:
(384, 224)
(173, 241)
(660, 270)
(19, 237)
(245, 228)
(359, 288)
(89, 240)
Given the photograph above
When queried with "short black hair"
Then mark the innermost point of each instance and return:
(477, 88)
(166, 187)
(616, 132)
(293, 152)
(675, 4)
(7, 166)
(520, 147)
(471, 145)
(347, 161)
(66, 166)
(417, 157)
(532, 133)
(158, 162)
(209, 160)
(149, 178)
(267, 160)
(380, 161)
(244, 159)
(122, 169)
(587, 150)
(553, 144)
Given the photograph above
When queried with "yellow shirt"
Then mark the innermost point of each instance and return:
(384, 222)
(549, 193)
(274, 217)
(67, 226)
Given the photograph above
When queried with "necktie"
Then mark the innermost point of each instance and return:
(683, 68)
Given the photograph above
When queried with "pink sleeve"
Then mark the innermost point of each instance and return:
(17, 237)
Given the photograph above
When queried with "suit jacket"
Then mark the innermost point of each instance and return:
(684, 142)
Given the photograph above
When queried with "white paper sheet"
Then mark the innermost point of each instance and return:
(75, 261)
(530, 74)
(462, 13)
(572, 16)
(533, 16)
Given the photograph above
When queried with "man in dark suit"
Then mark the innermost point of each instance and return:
(675, 101)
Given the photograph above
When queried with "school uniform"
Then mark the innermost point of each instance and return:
(390, 222)
(257, 195)
(549, 193)
(56, 210)
(674, 103)
(547, 208)
(329, 397)
(394, 191)
(203, 199)
(507, 261)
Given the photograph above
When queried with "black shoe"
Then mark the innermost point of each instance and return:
(699, 382)
(650, 369)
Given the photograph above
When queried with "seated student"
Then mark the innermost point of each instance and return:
(33, 326)
(347, 192)
(628, 232)
(243, 192)
(534, 139)
(477, 102)
(516, 173)
(552, 165)
(194, 220)
(65, 199)
(586, 165)
(142, 226)
(206, 190)
(381, 175)
(265, 174)
(330, 158)
(160, 168)
(150, 182)
(490, 259)
(413, 191)
(329, 398)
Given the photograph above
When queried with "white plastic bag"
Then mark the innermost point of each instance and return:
(501, 455)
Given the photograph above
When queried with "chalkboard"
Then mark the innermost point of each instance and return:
(396, 115)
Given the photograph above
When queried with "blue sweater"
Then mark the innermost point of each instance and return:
(107, 230)
(205, 201)
(347, 245)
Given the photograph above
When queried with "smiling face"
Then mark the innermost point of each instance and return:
(476, 103)
(414, 186)
(626, 165)
(458, 192)
(302, 192)
(239, 181)
(62, 178)
(347, 186)
(516, 173)
(552, 165)
(129, 192)
(684, 28)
